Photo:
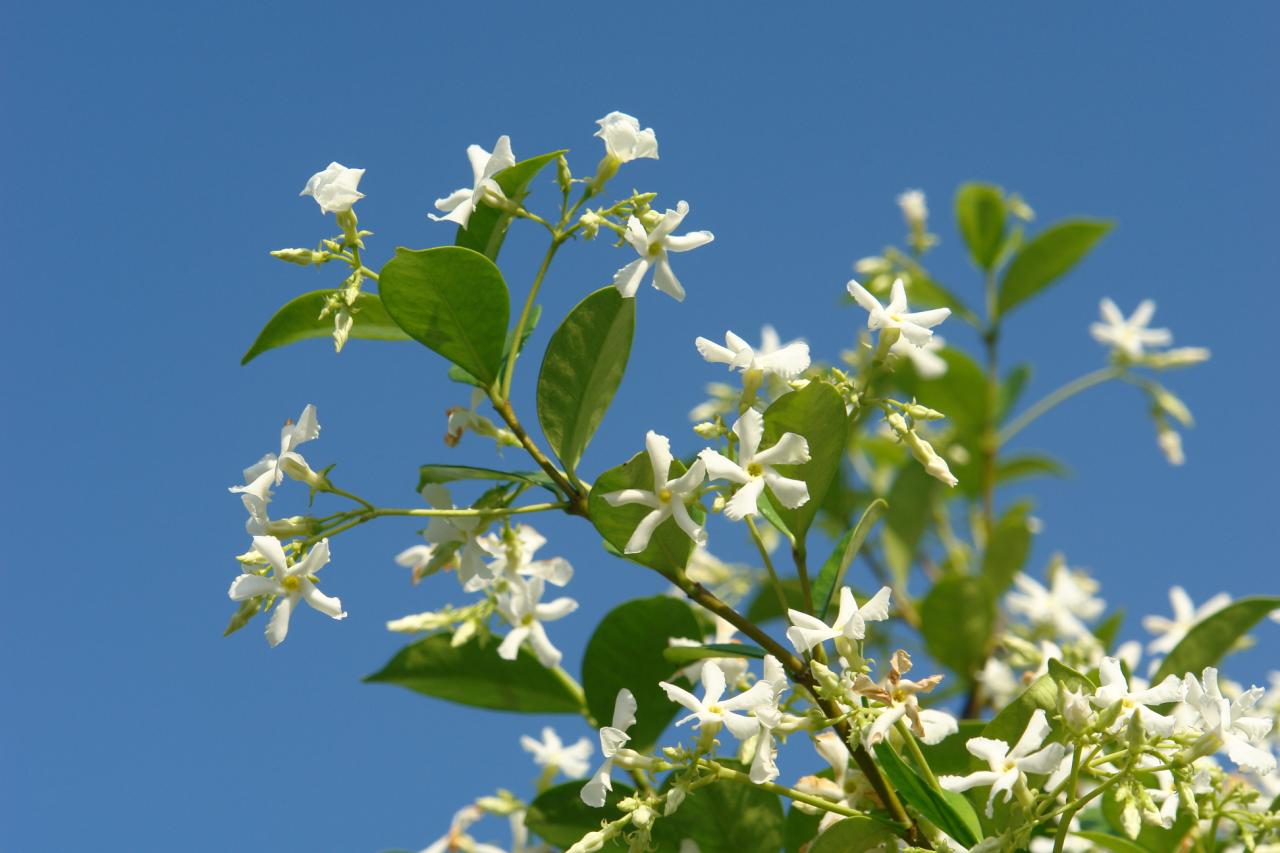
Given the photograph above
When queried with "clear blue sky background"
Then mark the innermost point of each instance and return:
(153, 156)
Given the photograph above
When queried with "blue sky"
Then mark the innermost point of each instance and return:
(154, 156)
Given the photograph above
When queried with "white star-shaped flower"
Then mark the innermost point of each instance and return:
(653, 246)
(1171, 630)
(1062, 607)
(612, 739)
(1130, 336)
(513, 551)
(1232, 724)
(460, 531)
(551, 752)
(764, 766)
(713, 711)
(1114, 687)
(924, 359)
(785, 361)
(807, 631)
(334, 189)
(899, 696)
(1009, 766)
(755, 468)
(667, 500)
(624, 140)
(521, 605)
(271, 468)
(914, 325)
(461, 203)
(288, 584)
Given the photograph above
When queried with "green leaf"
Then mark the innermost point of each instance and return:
(730, 818)
(299, 319)
(980, 212)
(952, 814)
(428, 474)
(1010, 723)
(927, 292)
(949, 757)
(1114, 843)
(1019, 466)
(452, 300)
(561, 818)
(907, 518)
(816, 412)
(487, 227)
(801, 827)
(770, 513)
(1008, 548)
(685, 655)
(852, 835)
(475, 675)
(669, 547)
(457, 374)
(1108, 629)
(960, 393)
(765, 605)
(582, 369)
(1046, 257)
(831, 575)
(1015, 382)
(957, 617)
(1207, 643)
(627, 650)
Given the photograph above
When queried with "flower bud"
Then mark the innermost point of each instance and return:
(296, 468)
(591, 222)
(342, 323)
(1076, 710)
(301, 257)
(1172, 406)
(874, 265)
(642, 817)
(922, 413)
(1170, 444)
(674, 798)
(295, 525)
(564, 177)
(1178, 357)
(590, 843)
(708, 430)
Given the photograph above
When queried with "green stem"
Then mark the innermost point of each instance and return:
(579, 695)
(366, 515)
(1064, 823)
(774, 580)
(782, 790)
(1064, 393)
(802, 571)
(334, 490)
(505, 391)
(918, 756)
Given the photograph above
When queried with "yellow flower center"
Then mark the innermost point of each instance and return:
(755, 469)
(664, 494)
(291, 583)
(656, 249)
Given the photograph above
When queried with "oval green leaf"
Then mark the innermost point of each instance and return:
(627, 650)
(1047, 257)
(685, 655)
(669, 547)
(730, 818)
(980, 213)
(472, 675)
(451, 300)
(852, 835)
(949, 811)
(957, 618)
(428, 474)
(1207, 643)
(561, 818)
(582, 369)
(299, 319)
(831, 575)
(1008, 548)
(816, 412)
(487, 227)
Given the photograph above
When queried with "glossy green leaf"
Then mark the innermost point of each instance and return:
(957, 618)
(952, 814)
(1047, 257)
(801, 827)
(1210, 640)
(627, 650)
(949, 756)
(852, 835)
(831, 575)
(765, 605)
(299, 319)
(685, 655)
(560, 817)
(1020, 466)
(487, 227)
(452, 300)
(980, 213)
(816, 412)
(924, 292)
(582, 369)
(730, 818)
(1011, 722)
(457, 374)
(1015, 382)
(428, 474)
(907, 518)
(1007, 549)
(1108, 629)
(474, 675)
(669, 547)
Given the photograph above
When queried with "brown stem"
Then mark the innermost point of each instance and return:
(575, 497)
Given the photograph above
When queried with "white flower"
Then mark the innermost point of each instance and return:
(713, 710)
(334, 189)
(1186, 616)
(899, 696)
(755, 468)
(521, 606)
(457, 839)
(287, 583)
(1170, 443)
(461, 203)
(612, 739)
(764, 767)
(1230, 723)
(271, 468)
(551, 752)
(255, 494)
(914, 209)
(851, 620)
(1115, 688)
(924, 359)
(624, 140)
(1061, 607)
(416, 558)
(914, 326)
(653, 247)
(1129, 336)
(513, 553)
(1009, 766)
(999, 684)
(785, 361)
(462, 533)
(667, 500)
